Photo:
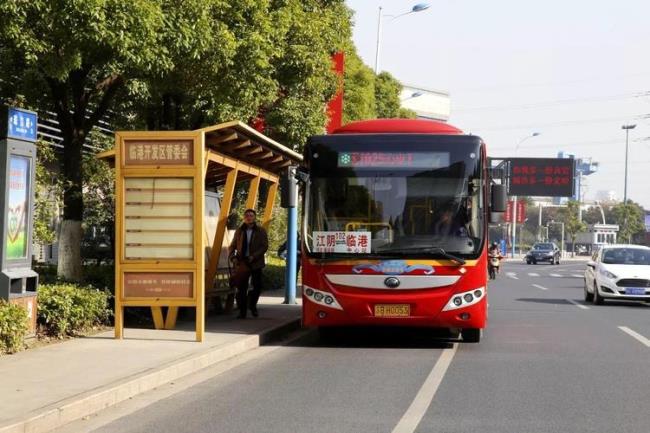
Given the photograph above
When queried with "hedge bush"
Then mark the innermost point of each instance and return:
(13, 327)
(68, 309)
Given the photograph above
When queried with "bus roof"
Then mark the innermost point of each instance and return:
(398, 126)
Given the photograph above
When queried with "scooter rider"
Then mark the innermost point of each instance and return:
(494, 254)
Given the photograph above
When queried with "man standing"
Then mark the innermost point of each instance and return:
(249, 246)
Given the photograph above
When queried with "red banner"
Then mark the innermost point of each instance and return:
(335, 106)
(507, 216)
(521, 212)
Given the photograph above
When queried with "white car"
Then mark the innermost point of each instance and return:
(618, 272)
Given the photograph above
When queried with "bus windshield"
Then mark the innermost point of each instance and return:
(395, 195)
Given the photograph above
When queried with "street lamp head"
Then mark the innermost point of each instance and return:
(627, 127)
(420, 7)
(535, 134)
(416, 94)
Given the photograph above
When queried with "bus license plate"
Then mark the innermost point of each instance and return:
(634, 291)
(392, 310)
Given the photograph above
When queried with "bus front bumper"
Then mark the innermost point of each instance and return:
(435, 309)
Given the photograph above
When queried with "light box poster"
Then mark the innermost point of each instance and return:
(18, 207)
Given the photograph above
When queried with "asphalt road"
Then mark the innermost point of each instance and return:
(548, 362)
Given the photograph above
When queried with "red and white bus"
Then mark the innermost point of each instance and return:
(395, 229)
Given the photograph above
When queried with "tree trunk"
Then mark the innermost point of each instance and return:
(69, 264)
(70, 234)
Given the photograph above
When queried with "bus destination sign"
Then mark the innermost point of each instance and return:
(545, 177)
(423, 160)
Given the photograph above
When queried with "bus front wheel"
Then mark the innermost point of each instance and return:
(471, 335)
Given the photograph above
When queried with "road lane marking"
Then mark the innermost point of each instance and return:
(533, 274)
(556, 275)
(512, 275)
(635, 335)
(540, 287)
(420, 404)
(577, 276)
(578, 304)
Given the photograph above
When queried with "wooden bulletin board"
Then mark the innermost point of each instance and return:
(159, 225)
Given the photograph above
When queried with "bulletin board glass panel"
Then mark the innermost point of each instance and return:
(158, 218)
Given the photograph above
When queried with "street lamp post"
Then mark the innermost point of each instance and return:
(514, 198)
(417, 8)
(626, 128)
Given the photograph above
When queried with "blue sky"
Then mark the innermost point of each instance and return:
(574, 70)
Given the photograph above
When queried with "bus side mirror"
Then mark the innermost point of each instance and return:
(499, 198)
(289, 188)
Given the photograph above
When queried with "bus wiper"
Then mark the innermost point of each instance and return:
(434, 250)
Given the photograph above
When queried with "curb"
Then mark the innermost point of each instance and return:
(90, 402)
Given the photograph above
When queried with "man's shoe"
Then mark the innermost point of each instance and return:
(254, 312)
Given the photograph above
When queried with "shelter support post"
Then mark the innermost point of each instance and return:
(226, 202)
(268, 208)
(251, 200)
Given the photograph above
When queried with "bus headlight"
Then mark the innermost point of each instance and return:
(321, 298)
(465, 299)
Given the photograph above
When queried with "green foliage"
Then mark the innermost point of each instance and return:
(47, 194)
(630, 219)
(370, 96)
(248, 58)
(99, 185)
(273, 274)
(13, 327)
(68, 309)
(387, 93)
(359, 90)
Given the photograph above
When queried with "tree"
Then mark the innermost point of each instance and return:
(593, 215)
(387, 94)
(572, 225)
(74, 58)
(358, 90)
(370, 96)
(260, 59)
(631, 220)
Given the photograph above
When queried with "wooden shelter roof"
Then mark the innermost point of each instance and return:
(238, 141)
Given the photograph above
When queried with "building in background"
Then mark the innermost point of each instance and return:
(427, 103)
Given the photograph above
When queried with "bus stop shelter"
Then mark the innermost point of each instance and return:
(174, 193)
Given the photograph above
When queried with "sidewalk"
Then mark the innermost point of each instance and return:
(43, 388)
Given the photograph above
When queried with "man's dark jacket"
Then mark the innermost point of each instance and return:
(259, 243)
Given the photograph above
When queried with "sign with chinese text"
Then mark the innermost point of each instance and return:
(18, 207)
(158, 285)
(21, 124)
(542, 177)
(158, 152)
(342, 242)
(424, 160)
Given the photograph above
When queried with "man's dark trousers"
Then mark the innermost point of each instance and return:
(249, 300)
